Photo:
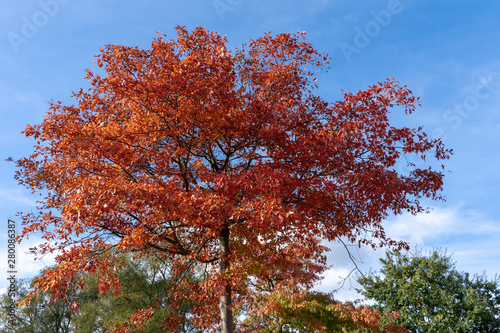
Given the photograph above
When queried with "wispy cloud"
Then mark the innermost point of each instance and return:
(10, 197)
(467, 234)
(26, 265)
(441, 223)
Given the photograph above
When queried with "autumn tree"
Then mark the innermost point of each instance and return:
(226, 159)
(313, 312)
(430, 295)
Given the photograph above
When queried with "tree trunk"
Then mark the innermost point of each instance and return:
(226, 313)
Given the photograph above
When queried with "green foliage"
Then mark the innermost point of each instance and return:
(307, 314)
(289, 311)
(39, 316)
(143, 286)
(432, 296)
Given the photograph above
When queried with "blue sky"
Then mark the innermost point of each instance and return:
(447, 52)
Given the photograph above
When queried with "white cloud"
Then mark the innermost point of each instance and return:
(439, 223)
(342, 281)
(417, 229)
(15, 196)
(341, 277)
(469, 236)
(26, 265)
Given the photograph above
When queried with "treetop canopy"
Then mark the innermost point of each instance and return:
(204, 155)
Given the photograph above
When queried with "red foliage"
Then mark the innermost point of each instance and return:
(222, 160)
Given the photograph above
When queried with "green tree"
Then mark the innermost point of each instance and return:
(431, 295)
(142, 286)
(39, 316)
